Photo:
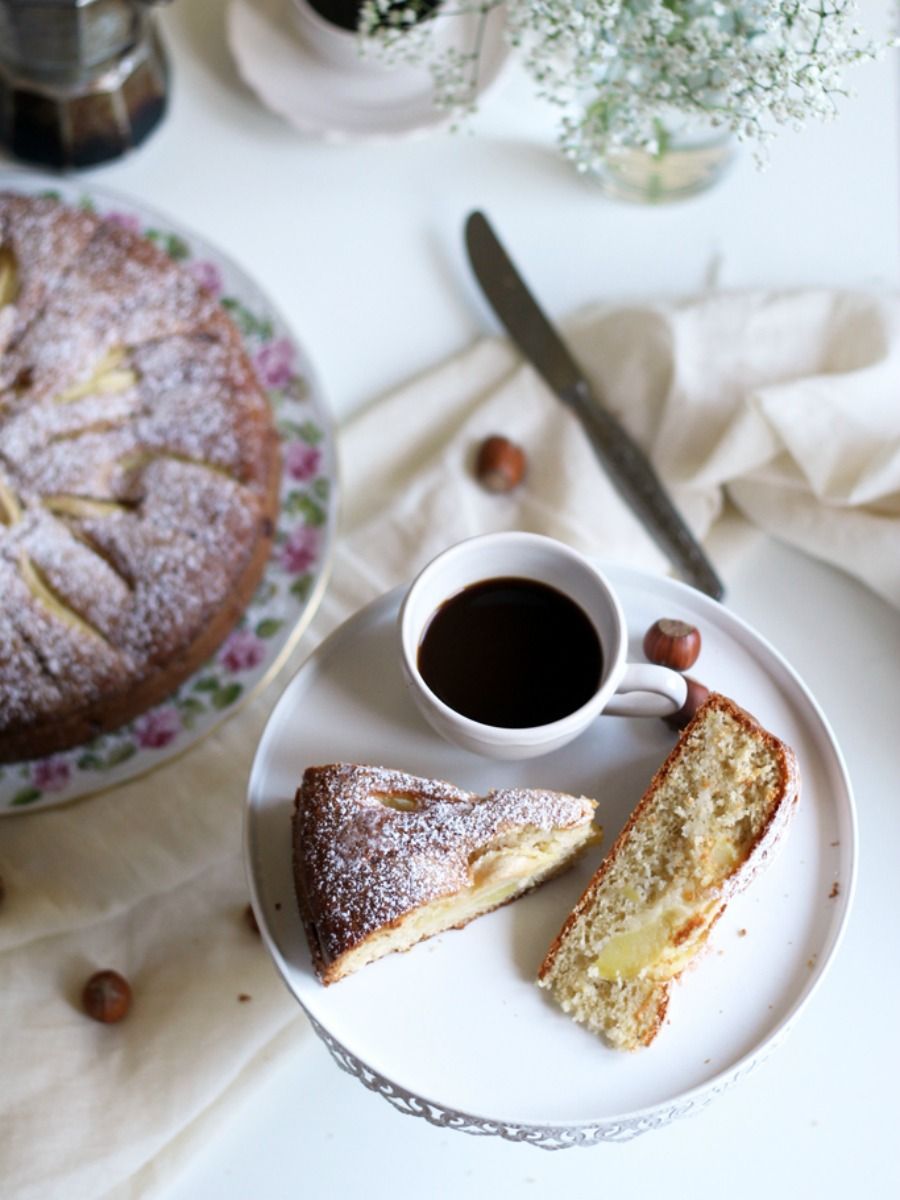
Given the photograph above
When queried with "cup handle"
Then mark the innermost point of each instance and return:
(646, 690)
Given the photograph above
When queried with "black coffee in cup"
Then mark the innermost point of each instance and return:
(513, 653)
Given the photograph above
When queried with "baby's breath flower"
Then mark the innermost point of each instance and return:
(619, 70)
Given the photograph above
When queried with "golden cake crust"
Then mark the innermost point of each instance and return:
(139, 476)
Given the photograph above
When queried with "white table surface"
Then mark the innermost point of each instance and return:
(361, 248)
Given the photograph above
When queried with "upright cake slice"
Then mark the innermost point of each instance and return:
(383, 859)
(707, 822)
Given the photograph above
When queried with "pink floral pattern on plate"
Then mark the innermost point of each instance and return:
(242, 651)
(125, 220)
(291, 584)
(51, 774)
(300, 550)
(300, 461)
(207, 274)
(157, 728)
(274, 363)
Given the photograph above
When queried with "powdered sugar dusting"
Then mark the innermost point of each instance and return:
(92, 589)
(25, 434)
(174, 553)
(78, 664)
(198, 400)
(44, 239)
(23, 682)
(361, 864)
(120, 291)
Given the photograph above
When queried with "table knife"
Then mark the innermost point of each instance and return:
(625, 463)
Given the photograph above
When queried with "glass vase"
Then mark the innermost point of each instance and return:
(689, 157)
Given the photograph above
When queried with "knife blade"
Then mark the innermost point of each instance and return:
(625, 463)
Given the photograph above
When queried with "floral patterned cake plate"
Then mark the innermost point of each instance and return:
(456, 1031)
(295, 576)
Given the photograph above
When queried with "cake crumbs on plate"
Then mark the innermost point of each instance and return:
(835, 891)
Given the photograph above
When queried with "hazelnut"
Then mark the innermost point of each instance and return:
(671, 643)
(500, 464)
(696, 695)
(107, 997)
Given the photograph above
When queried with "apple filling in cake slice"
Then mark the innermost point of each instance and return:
(708, 820)
(9, 276)
(46, 595)
(109, 375)
(383, 859)
(10, 509)
(84, 506)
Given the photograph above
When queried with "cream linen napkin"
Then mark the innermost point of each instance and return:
(786, 405)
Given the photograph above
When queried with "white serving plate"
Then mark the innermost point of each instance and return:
(456, 1030)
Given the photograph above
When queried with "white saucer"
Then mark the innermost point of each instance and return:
(364, 101)
(456, 1030)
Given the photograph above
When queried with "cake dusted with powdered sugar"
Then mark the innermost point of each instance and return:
(138, 475)
(383, 859)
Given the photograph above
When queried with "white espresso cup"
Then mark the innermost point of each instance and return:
(622, 688)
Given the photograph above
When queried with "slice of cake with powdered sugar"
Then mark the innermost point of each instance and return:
(383, 859)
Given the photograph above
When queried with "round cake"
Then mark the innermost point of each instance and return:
(138, 475)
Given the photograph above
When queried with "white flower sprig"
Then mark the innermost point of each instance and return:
(622, 71)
